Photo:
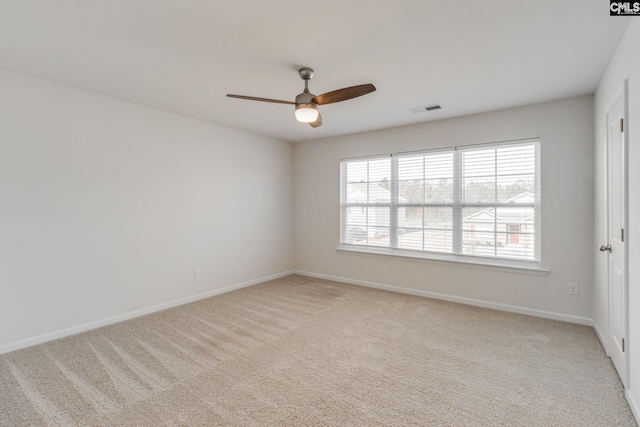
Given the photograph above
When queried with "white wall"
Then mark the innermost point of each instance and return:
(566, 131)
(624, 65)
(106, 207)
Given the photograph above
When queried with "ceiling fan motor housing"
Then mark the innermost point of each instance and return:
(306, 109)
(305, 98)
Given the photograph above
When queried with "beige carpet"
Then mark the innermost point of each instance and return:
(301, 351)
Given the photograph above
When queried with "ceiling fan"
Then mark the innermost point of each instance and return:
(307, 103)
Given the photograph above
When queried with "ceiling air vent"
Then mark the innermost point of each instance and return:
(426, 108)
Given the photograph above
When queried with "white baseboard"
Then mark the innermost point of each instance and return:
(633, 404)
(601, 338)
(469, 301)
(50, 336)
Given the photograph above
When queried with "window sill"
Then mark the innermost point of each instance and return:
(512, 266)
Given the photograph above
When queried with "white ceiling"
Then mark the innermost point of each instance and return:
(184, 56)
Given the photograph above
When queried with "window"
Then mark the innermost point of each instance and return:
(474, 201)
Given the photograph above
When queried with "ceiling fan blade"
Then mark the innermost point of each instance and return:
(318, 121)
(343, 94)
(253, 98)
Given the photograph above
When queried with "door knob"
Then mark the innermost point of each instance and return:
(604, 248)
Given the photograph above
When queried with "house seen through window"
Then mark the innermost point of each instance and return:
(473, 201)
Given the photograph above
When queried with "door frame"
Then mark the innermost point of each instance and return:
(623, 92)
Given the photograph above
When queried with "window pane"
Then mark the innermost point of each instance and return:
(378, 216)
(378, 236)
(357, 193)
(515, 244)
(477, 244)
(478, 236)
(515, 160)
(503, 232)
(411, 238)
(363, 235)
(380, 192)
(368, 181)
(516, 189)
(411, 191)
(357, 171)
(438, 166)
(515, 232)
(438, 223)
(380, 170)
(479, 163)
(356, 234)
(411, 168)
(438, 240)
(520, 215)
(502, 175)
(356, 216)
(410, 217)
(410, 223)
(441, 218)
(479, 190)
(475, 215)
(439, 191)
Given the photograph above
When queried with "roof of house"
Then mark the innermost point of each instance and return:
(508, 214)
(357, 193)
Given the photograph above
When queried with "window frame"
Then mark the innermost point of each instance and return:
(457, 255)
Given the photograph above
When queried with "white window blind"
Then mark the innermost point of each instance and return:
(366, 203)
(474, 201)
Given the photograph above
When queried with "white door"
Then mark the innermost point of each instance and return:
(616, 227)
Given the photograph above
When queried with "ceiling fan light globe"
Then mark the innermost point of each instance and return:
(306, 113)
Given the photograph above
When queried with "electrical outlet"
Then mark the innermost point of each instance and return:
(196, 272)
(573, 288)
(325, 258)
